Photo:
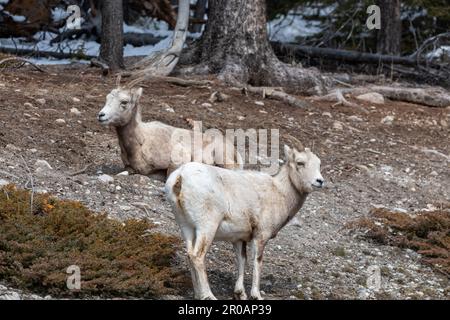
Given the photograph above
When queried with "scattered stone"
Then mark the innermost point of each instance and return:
(104, 178)
(42, 166)
(434, 173)
(241, 118)
(259, 103)
(443, 123)
(388, 120)
(372, 97)
(206, 105)
(338, 125)
(75, 99)
(118, 188)
(41, 101)
(33, 150)
(355, 118)
(218, 96)
(3, 182)
(60, 122)
(327, 114)
(123, 173)
(75, 111)
(28, 105)
(263, 111)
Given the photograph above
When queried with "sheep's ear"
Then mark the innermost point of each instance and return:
(287, 153)
(138, 92)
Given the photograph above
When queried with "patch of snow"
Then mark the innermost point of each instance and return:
(16, 18)
(59, 14)
(440, 53)
(287, 28)
(4, 1)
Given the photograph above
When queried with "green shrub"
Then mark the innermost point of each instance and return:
(115, 258)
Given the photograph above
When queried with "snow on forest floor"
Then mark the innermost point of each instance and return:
(367, 162)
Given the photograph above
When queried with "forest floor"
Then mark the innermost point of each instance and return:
(367, 163)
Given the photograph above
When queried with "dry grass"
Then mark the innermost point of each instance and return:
(427, 232)
(116, 259)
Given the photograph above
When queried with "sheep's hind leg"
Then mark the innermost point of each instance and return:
(189, 237)
(197, 254)
(240, 248)
(258, 249)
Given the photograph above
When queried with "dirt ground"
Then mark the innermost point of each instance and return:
(367, 163)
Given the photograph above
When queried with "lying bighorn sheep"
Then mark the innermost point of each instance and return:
(238, 206)
(147, 147)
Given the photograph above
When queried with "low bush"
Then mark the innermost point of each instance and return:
(116, 259)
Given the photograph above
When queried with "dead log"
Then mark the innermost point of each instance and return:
(340, 55)
(44, 54)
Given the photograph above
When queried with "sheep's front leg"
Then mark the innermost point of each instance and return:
(197, 256)
(240, 248)
(258, 249)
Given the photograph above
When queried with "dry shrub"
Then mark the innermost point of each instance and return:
(116, 258)
(426, 232)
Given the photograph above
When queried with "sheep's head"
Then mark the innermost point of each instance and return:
(304, 169)
(120, 106)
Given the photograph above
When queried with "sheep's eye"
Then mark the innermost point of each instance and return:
(123, 104)
(300, 163)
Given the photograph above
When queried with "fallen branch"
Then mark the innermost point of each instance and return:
(268, 92)
(185, 82)
(432, 97)
(23, 62)
(45, 54)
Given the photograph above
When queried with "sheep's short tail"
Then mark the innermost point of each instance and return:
(239, 161)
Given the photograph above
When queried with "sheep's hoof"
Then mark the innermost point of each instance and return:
(239, 295)
(256, 297)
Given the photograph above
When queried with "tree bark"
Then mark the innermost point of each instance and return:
(235, 46)
(111, 46)
(389, 35)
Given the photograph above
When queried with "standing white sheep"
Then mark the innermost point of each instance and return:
(211, 203)
(147, 147)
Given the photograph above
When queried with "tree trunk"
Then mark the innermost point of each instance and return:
(389, 35)
(111, 47)
(235, 46)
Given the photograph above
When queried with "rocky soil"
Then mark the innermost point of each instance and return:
(394, 155)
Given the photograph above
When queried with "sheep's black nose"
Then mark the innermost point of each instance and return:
(101, 114)
(320, 181)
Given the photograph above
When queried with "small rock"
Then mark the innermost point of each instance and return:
(443, 123)
(125, 208)
(60, 122)
(327, 114)
(434, 173)
(241, 118)
(218, 96)
(388, 120)
(42, 166)
(355, 118)
(263, 111)
(338, 125)
(41, 101)
(75, 111)
(3, 182)
(123, 173)
(363, 294)
(118, 188)
(28, 105)
(170, 109)
(290, 119)
(10, 296)
(104, 178)
(372, 97)
(259, 103)
(75, 99)
(33, 150)
(206, 105)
